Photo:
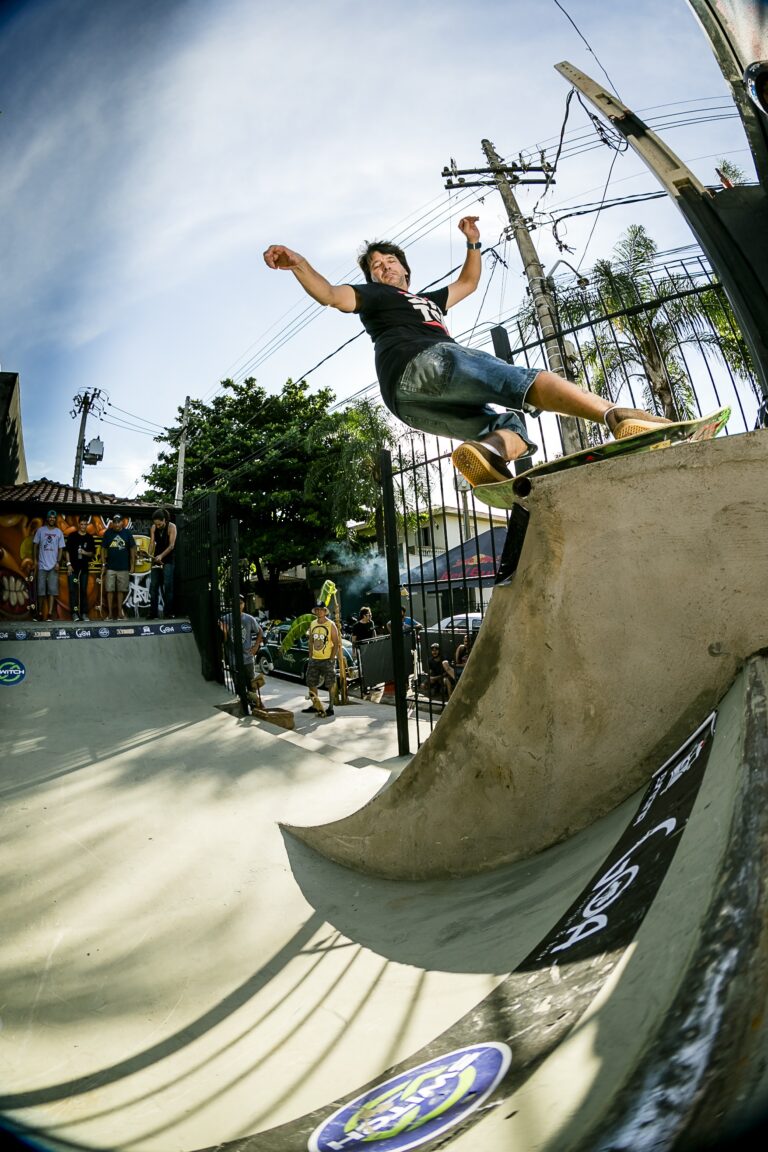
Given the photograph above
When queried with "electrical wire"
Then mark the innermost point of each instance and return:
(589, 46)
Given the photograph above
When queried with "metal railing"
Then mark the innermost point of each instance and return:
(455, 578)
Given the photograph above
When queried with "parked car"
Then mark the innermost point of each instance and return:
(460, 623)
(271, 657)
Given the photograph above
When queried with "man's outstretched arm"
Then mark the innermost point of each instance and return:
(469, 277)
(341, 296)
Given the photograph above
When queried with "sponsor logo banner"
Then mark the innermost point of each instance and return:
(417, 1105)
(103, 632)
(12, 671)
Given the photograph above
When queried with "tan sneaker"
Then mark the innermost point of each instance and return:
(624, 422)
(478, 464)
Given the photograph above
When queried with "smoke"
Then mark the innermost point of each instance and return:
(361, 572)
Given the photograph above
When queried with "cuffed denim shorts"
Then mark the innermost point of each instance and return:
(447, 390)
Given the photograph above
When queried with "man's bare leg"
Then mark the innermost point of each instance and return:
(553, 393)
(484, 461)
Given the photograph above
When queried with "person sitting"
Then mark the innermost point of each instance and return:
(461, 656)
(441, 677)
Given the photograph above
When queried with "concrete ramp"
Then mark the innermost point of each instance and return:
(178, 975)
(640, 591)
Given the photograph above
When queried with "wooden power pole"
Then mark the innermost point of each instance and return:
(570, 428)
(179, 497)
(503, 177)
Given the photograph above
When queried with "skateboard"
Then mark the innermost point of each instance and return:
(503, 494)
(318, 706)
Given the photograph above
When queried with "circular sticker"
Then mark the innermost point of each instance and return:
(417, 1105)
(12, 671)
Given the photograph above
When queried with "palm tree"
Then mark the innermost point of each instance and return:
(644, 322)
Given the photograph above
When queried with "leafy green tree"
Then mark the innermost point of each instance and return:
(352, 488)
(255, 450)
(651, 322)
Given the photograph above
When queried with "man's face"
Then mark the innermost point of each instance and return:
(319, 613)
(51, 519)
(82, 527)
(387, 269)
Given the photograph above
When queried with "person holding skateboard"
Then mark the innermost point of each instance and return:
(434, 384)
(324, 646)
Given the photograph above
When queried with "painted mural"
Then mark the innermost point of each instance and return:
(17, 585)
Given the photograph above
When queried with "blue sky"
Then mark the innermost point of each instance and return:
(151, 149)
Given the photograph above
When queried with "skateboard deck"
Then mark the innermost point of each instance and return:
(504, 493)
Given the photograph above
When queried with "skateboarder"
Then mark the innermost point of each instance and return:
(434, 384)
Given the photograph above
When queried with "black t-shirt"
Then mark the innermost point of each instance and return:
(363, 630)
(74, 542)
(401, 324)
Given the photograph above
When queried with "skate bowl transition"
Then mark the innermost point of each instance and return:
(640, 592)
(547, 934)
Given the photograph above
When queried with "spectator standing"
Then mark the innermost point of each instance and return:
(253, 638)
(162, 544)
(47, 551)
(409, 624)
(81, 549)
(118, 562)
(363, 629)
(324, 646)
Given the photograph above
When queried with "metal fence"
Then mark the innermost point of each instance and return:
(444, 547)
(210, 587)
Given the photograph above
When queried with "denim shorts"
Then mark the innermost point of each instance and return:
(447, 390)
(47, 581)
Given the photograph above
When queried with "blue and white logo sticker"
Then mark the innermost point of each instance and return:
(12, 671)
(417, 1105)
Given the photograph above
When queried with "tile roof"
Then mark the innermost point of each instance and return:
(50, 492)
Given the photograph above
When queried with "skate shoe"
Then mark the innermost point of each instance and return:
(624, 422)
(478, 464)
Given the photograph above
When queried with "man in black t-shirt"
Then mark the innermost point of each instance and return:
(432, 383)
(81, 549)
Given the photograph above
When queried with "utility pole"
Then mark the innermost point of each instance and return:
(179, 497)
(84, 403)
(570, 429)
(503, 177)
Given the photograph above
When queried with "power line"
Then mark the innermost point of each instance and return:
(138, 419)
(589, 46)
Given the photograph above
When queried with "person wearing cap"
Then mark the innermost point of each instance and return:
(47, 548)
(252, 637)
(162, 543)
(118, 551)
(324, 647)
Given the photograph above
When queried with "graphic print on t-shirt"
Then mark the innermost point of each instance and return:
(428, 309)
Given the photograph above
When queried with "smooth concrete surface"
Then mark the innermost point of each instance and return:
(178, 975)
(640, 590)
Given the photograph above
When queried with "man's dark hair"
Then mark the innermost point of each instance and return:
(160, 514)
(388, 249)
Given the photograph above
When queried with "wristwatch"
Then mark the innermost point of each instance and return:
(474, 247)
